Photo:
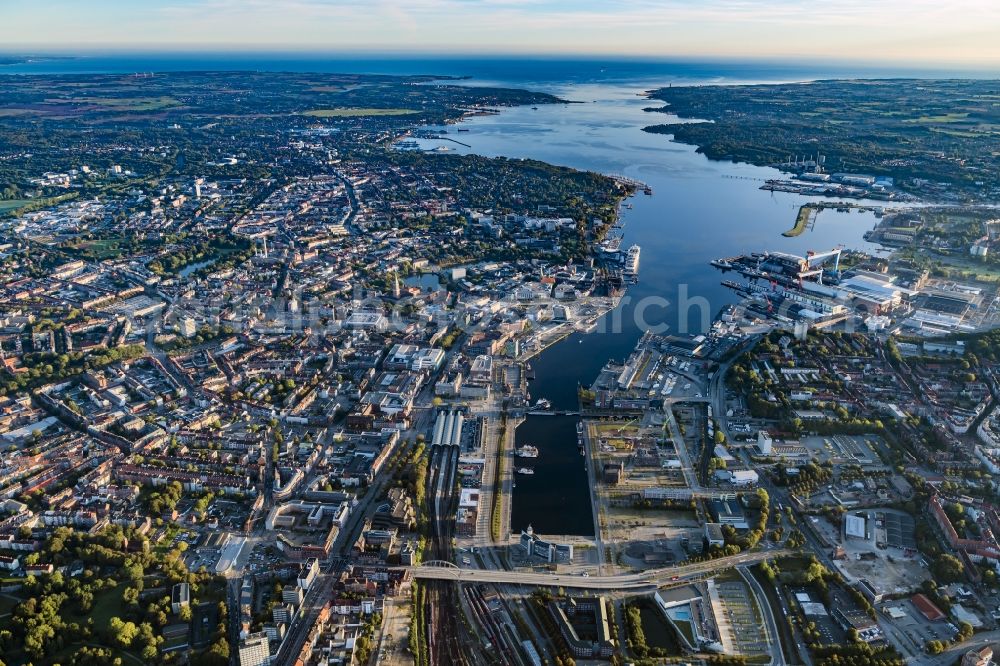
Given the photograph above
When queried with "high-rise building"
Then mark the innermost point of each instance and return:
(764, 442)
(254, 650)
(188, 328)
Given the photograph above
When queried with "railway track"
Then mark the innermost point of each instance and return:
(444, 636)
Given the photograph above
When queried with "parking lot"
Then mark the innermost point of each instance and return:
(844, 448)
(263, 557)
(915, 626)
(745, 620)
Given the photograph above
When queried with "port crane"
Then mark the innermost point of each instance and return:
(622, 429)
(815, 262)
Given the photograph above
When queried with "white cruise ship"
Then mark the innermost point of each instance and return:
(631, 265)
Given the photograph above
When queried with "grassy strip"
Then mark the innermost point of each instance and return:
(805, 213)
(497, 518)
(418, 642)
(785, 635)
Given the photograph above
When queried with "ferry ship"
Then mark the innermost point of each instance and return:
(631, 265)
(725, 264)
(527, 451)
(527, 471)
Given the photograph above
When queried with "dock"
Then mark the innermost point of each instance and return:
(629, 182)
(805, 220)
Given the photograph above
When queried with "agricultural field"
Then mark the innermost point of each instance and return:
(122, 103)
(357, 113)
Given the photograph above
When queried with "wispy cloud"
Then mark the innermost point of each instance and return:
(904, 29)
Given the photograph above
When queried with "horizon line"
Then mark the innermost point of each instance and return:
(88, 50)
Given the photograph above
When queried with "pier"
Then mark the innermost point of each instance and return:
(628, 181)
(448, 138)
(805, 220)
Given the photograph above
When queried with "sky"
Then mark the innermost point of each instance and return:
(901, 31)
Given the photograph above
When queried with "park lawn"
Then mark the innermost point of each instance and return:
(12, 206)
(106, 248)
(968, 268)
(357, 112)
(616, 429)
(107, 606)
(8, 205)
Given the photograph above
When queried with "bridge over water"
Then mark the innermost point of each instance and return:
(643, 580)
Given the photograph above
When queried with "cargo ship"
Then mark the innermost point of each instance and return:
(527, 451)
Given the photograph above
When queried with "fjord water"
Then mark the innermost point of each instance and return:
(699, 210)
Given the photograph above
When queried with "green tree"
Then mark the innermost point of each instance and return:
(122, 633)
(947, 568)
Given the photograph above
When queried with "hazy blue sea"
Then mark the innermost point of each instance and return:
(526, 69)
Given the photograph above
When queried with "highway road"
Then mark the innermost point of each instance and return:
(949, 656)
